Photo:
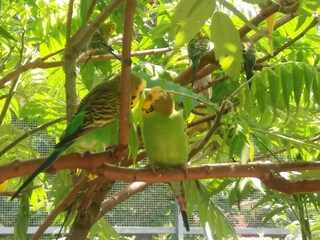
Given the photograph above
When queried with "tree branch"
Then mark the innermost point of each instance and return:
(40, 62)
(124, 124)
(71, 197)
(121, 196)
(212, 130)
(231, 170)
(312, 24)
(280, 184)
(69, 20)
(209, 59)
(30, 65)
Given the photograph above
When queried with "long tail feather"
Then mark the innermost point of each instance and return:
(185, 220)
(68, 212)
(54, 156)
(111, 50)
(194, 70)
(180, 195)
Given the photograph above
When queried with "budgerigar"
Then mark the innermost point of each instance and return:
(249, 58)
(98, 109)
(165, 139)
(197, 48)
(101, 38)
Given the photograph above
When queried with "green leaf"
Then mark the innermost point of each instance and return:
(273, 213)
(103, 230)
(227, 42)
(87, 72)
(237, 13)
(6, 34)
(193, 196)
(188, 18)
(301, 21)
(316, 89)
(84, 8)
(260, 91)
(308, 7)
(203, 213)
(240, 147)
(21, 226)
(298, 81)
(217, 185)
(274, 86)
(286, 83)
(309, 74)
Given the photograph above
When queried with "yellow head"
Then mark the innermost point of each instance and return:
(159, 101)
(201, 34)
(137, 87)
(107, 29)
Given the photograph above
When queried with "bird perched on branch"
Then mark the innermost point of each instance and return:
(97, 109)
(197, 48)
(101, 38)
(249, 58)
(165, 139)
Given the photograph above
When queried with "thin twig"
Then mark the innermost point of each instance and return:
(212, 130)
(23, 68)
(91, 9)
(69, 21)
(312, 24)
(14, 84)
(27, 134)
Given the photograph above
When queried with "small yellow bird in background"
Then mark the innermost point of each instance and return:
(100, 40)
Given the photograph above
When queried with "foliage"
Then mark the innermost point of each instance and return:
(276, 114)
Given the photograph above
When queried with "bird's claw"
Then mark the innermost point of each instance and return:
(185, 170)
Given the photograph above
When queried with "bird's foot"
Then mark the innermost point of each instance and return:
(184, 168)
(117, 153)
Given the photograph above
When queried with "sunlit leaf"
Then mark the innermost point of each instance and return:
(298, 82)
(188, 18)
(21, 225)
(228, 46)
(4, 33)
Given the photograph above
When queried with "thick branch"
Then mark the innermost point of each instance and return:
(228, 170)
(278, 183)
(70, 161)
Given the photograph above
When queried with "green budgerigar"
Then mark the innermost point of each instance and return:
(101, 38)
(249, 58)
(197, 48)
(165, 139)
(97, 109)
